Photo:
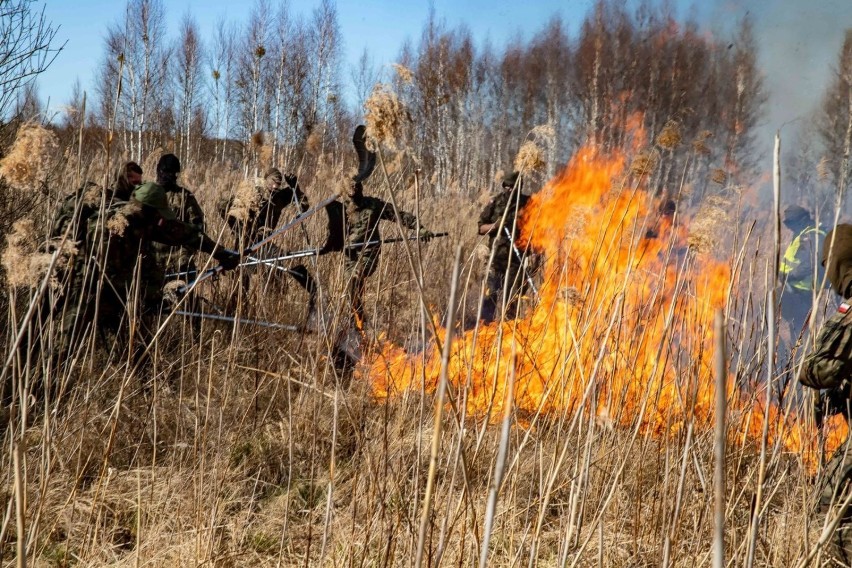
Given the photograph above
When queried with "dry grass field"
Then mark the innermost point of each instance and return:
(580, 434)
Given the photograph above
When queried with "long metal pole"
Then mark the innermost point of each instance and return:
(247, 252)
(520, 260)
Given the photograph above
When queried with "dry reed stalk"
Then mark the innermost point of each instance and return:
(331, 472)
(79, 177)
(20, 505)
(770, 352)
(720, 370)
(499, 465)
(426, 510)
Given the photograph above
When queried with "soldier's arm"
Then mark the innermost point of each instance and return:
(487, 222)
(194, 213)
(178, 233)
(301, 199)
(404, 218)
(336, 232)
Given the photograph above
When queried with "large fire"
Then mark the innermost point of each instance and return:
(622, 326)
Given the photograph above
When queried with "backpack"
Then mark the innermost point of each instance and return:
(830, 363)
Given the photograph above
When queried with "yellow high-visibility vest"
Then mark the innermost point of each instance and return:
(791, 260)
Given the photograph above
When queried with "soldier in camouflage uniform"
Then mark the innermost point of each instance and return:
(186, 209)
(120, 270)
(279, 191)
(362, 215)
(836, 484)
(268, 212)
(500, 214)
(78, 206)
(73, 215)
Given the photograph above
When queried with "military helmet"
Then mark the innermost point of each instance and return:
(169, 164)
(511, 180)
(154, 196)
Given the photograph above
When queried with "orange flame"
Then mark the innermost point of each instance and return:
(623, 326)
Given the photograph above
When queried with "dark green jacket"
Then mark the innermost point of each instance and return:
(187, 210)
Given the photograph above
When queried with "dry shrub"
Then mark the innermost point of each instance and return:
(498, 177)
(670, 136)
(313, 144)
(25, 264)
(264, 155)
(700, 143)
(404, 73)
(149, 164)
(386, 117)
(710, 220)
(257, 140)
(644, 163)
(718, 175)
(247, 198)
(530, 158)
(33, 156)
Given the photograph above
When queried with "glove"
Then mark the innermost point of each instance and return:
(229, 260)
(425, 235)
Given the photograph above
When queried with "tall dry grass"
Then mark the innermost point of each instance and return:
(236, 445)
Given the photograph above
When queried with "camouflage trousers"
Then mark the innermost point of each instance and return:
(357, 268)
(492, 302)
(834, 490)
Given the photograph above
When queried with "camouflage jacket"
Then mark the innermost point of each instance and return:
(89, 197)
(362, 222)
(504, 201)
(187, 210)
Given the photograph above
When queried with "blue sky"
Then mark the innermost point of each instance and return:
(798, 39)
